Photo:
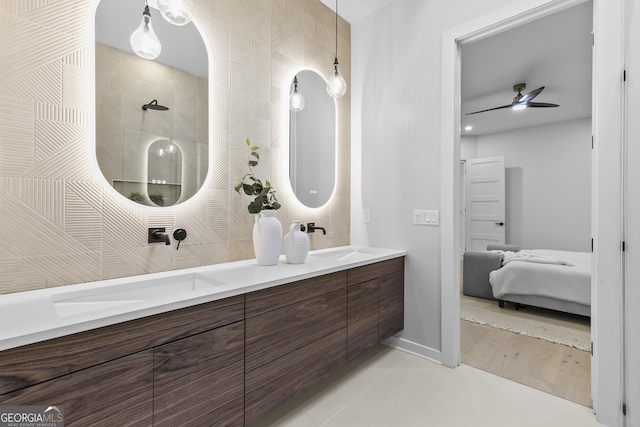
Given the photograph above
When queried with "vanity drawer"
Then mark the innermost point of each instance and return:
(362, 327)
(391, 305)
(278, 332)
(276, 382)
(116, 393)
(273, 298)
(373, 271)
(206, 352)
(209, 397)
(197, 379)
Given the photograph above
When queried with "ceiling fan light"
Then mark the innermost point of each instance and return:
(519, 107)
(177, 12)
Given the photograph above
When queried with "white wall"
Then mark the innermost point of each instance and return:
(548, 184)
(396, 62)
(468, 147)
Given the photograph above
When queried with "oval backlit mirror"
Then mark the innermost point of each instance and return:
(312, 141)
(139, 101)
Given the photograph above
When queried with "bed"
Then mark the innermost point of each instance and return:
(557, 280)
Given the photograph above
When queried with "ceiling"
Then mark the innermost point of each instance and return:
(354, 10)
(554, 52)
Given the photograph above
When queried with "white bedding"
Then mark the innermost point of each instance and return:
(553, 280)
(529, 255)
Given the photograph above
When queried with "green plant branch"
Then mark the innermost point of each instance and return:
(264, 195)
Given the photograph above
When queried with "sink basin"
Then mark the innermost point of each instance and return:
(348, 254)
(77, 302)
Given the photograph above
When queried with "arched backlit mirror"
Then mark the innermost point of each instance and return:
(141, 103)
(312, 141)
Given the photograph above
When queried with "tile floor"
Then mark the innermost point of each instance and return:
(388, 387)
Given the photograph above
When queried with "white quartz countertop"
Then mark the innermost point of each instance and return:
(39, 315)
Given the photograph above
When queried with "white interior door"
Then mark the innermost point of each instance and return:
(484, 202)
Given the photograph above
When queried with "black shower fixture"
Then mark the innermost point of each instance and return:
(153, 105)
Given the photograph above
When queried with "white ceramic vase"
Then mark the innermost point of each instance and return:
(267, 238)
(296, 244)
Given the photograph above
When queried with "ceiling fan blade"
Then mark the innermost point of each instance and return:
(490, 109)
(527, 97)
(541, 104)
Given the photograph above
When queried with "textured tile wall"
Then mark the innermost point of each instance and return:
(62, 224)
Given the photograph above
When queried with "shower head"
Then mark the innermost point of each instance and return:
(153, 105)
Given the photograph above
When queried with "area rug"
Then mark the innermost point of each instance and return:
(554, 326)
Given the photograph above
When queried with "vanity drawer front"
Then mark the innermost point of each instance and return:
(207, 398)
(276, 382)
(278, 332)
(362, 327)
(116, 393)
(270, 299)
(373, 271)
(391, 305)
(197, 379)
(31, 364)
(209, 351)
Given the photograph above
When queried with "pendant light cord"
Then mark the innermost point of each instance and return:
(336, 29)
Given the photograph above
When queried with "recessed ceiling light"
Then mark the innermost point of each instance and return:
(468, 128)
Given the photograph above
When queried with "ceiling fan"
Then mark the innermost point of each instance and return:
(522, 101)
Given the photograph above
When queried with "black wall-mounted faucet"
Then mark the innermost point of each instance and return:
(311, 227)
(158, 235)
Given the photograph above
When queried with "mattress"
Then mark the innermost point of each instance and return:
(571, 282)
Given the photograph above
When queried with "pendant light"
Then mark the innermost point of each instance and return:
(177, 12)
(336, 86)
(296, 100)
(144, 41)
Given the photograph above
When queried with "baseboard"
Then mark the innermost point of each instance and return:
(414, 348)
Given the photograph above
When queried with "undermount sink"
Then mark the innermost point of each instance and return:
(348, 254)
(71, 303)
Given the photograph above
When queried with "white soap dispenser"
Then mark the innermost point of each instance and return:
(296, 244)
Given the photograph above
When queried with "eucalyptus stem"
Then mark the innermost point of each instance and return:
(264, 195)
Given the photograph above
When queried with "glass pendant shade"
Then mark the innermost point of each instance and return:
(336, 86)
(177, 12)
(144, 41)
(296, 100)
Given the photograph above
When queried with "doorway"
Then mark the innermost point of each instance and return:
(606, 227)
(549, 209)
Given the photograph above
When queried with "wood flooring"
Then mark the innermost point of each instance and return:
(553, 368)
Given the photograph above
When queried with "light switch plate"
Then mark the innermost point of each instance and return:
(423, 217)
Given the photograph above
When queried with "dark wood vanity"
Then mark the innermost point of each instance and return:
(222, 363)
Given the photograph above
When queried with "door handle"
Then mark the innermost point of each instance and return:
(500, 224)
